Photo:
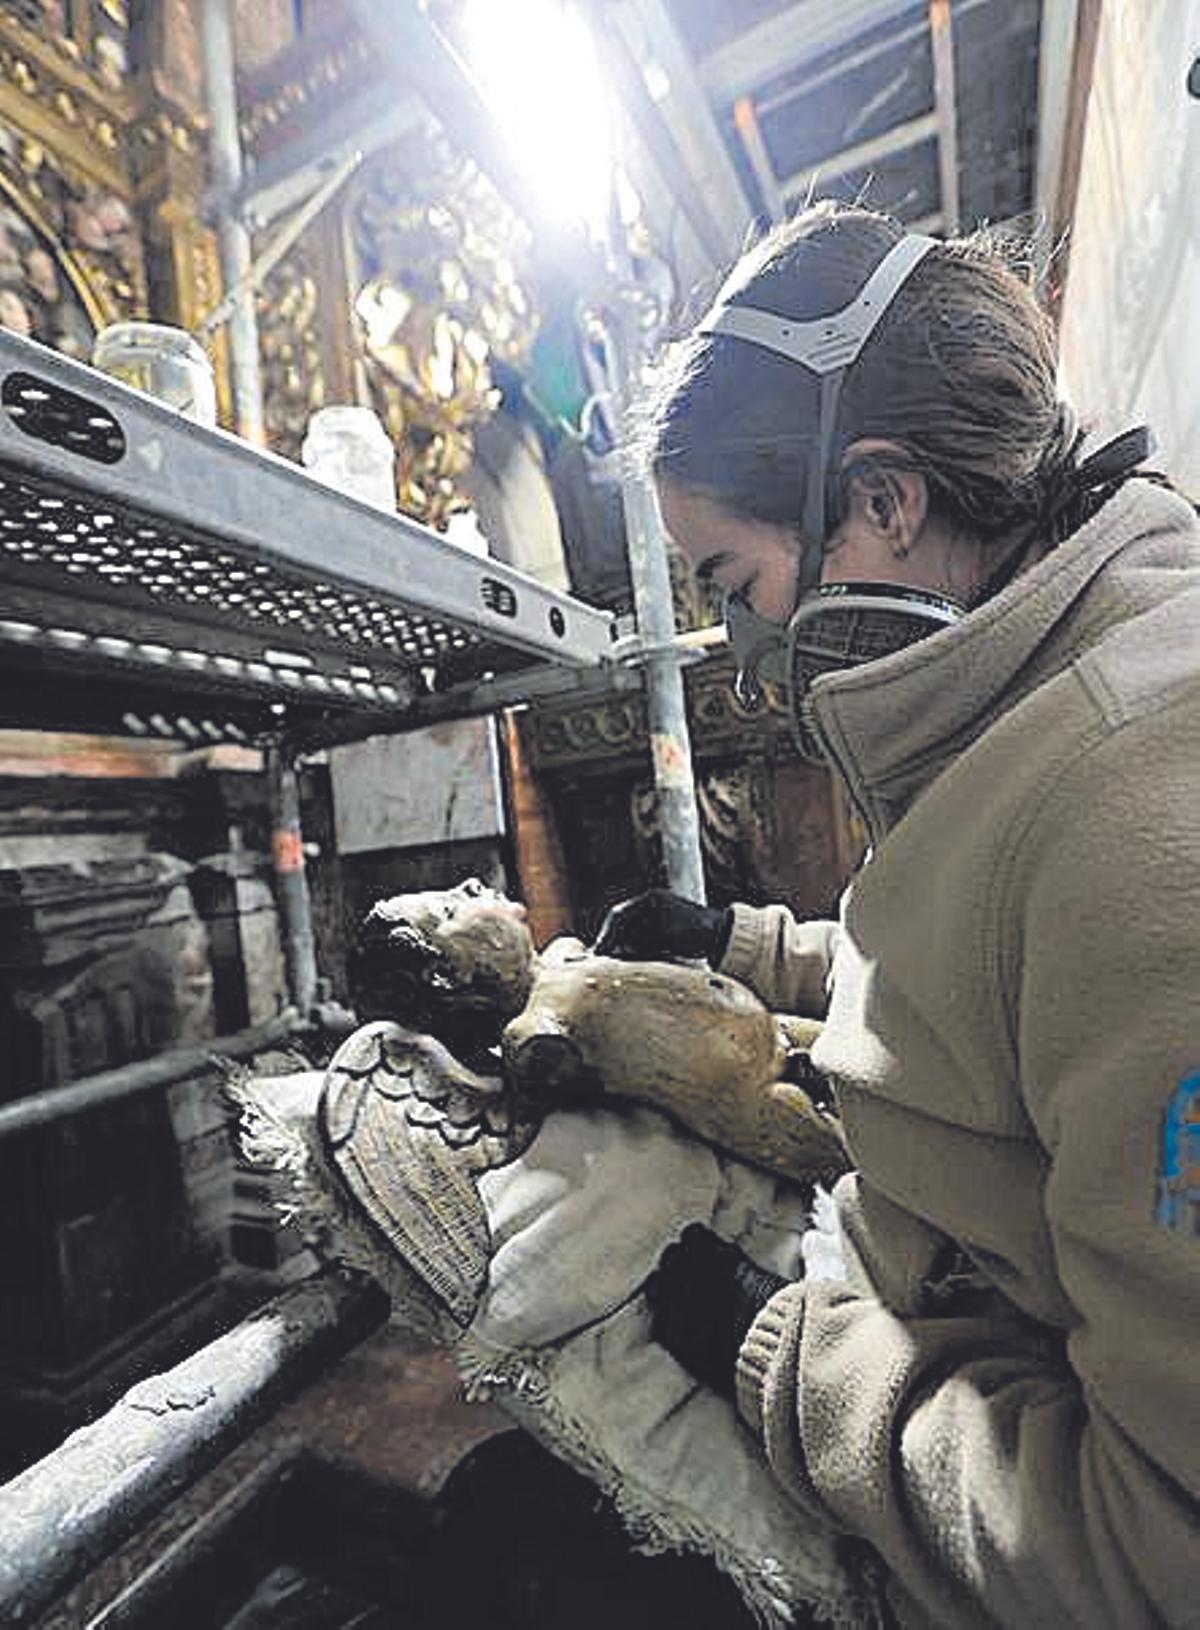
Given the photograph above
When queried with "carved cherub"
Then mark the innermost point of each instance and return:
(457, 1187)
(572, 1027)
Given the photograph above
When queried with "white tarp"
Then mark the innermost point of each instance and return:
(1130, 323)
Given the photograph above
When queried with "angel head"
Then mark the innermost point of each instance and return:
(457, 962)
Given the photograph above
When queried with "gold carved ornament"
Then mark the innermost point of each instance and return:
(436, 265)
(292, 369)
(70, 256)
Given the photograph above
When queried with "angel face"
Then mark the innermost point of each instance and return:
(453, 950)
(471, 926)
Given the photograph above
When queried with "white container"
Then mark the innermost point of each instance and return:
(348, 448)
(164, 362)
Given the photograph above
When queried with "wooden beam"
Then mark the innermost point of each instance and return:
(653, 36)
(1083, 68)
(896, 140)
(1056, 46)
(946, 104)
(629, 82)
(745, 121)
(772, 48)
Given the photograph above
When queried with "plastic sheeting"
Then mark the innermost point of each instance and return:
(1130, 327)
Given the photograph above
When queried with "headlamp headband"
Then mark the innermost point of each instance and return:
(828, 347)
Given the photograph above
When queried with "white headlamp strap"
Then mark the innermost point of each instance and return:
(826, 346)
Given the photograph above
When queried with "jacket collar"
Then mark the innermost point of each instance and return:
(894, 724)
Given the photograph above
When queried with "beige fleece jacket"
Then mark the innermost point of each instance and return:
(1014, 1002)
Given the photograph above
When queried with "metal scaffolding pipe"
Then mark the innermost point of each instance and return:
(291, 881)
(666, 706)
(40, 1108)
(225, 158)
(89, 1495)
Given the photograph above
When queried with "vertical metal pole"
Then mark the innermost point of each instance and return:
(666, 708)
(291, 884)
(946, 103)
(225, 149)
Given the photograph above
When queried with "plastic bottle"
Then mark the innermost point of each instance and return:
(347, 447)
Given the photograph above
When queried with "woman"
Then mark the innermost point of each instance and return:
(996, 643)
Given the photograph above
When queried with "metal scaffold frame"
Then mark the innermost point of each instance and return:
(162, 580)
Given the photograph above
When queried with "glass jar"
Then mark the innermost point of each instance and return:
(164, 362)
(347, 447)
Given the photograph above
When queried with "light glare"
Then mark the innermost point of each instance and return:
(536, 66)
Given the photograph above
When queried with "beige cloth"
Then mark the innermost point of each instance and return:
(1015, 1001)
(561, 1340)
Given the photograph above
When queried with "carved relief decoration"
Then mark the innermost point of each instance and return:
(697, 604)
(263, 28)
(284, 96)
(576, 734)
(65, 85)
(70, 260)
(737, 822)
(737, 828)
(583, 734)
(716, 711)
(292, 372)
(436, 258)
(37, 297)
(70, 255)
(92, 34)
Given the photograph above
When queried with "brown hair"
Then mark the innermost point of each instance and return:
(960, 373)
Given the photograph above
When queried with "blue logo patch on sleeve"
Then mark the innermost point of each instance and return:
(1179, 1176)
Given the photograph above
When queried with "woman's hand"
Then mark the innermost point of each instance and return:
(658, 926)
(704, 1296)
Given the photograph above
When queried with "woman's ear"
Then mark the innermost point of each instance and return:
(888, 500)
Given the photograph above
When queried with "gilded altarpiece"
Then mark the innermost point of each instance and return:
(102, 176)
(404, 291)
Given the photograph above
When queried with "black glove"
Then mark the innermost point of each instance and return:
(658, 925)
(704, 1296)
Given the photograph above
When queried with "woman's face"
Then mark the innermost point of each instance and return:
(898, 543)
(755, 559)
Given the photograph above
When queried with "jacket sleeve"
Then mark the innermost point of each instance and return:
(1008, 1474)
(783, 961)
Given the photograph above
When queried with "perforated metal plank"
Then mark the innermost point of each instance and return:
(134, 543)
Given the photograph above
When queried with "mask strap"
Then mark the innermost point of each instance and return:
(827, 346)
(824, 344)
(1108, 467)
(814, 523)
(1117, 458)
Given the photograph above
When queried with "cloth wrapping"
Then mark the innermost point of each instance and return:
(540, 1292)
(561, 1339)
